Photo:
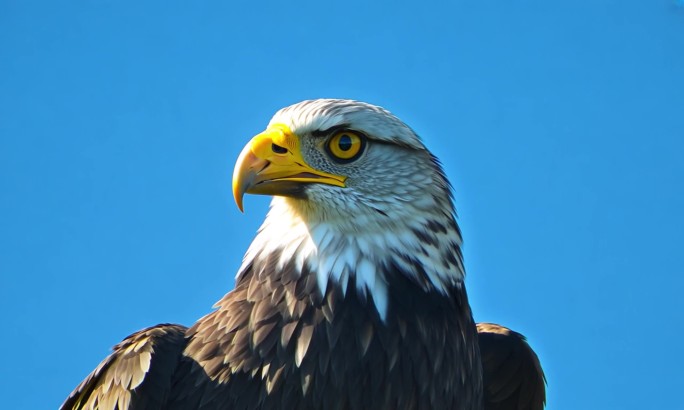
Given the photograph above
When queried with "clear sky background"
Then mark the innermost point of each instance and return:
(560, 124)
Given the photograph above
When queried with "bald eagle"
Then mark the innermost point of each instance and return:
(351, 296)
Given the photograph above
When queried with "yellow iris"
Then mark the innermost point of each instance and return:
(346, 146)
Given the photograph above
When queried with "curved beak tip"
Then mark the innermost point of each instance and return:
(243, 175)
(238, 202)
(239, 188)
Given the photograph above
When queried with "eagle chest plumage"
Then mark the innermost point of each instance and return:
(275, 343)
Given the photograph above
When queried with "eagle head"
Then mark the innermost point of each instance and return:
(355, 191)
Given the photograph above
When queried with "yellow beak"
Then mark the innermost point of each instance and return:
(272, 164)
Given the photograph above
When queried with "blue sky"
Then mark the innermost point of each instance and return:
(560, 124)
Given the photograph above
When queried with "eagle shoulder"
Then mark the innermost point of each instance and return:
(137, 375)
(512, 375)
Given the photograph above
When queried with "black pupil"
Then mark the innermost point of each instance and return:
(345, 143)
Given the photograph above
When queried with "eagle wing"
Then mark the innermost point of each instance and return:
(513, 377)
(121, 381)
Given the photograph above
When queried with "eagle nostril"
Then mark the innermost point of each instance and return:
(278, 149)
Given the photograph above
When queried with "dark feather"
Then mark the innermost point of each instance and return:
(307, 352)
(137, 375)
(513, 377)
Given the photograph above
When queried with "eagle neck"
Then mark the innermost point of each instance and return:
(333, 251)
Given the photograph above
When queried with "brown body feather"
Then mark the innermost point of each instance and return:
(136, 375)
(274, 344)
(513, 377)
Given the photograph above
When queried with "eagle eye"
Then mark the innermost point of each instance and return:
(346, 146)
